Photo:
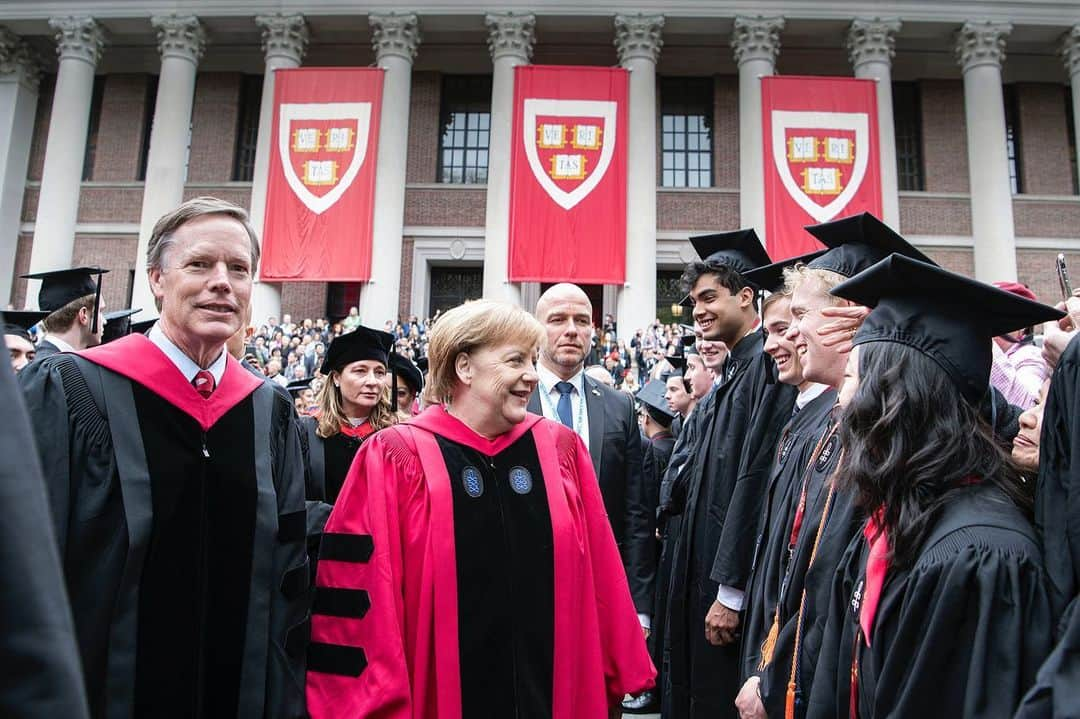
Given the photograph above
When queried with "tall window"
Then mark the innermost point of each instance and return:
(907, 118)
(668, 293)
(465, 118)
(1070, 124)
(149, 103)
(1012, 138)
(97, 95)
(451, 286)
(686, 118)
(247, 128)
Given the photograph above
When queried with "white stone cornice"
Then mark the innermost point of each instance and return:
(756, 38)
(872, 40)
(511, 35)
(180, 36)
(638, 36)
(78, 38)
(981, 43)
(284, 36)
(18, 60)
(394, 34)
(1070, 51)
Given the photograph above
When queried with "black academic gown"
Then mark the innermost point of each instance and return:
(44, 349)
(181, 524)
(326, 460)
(42, 676)
(716, 538)
(656, 456)
(769, 578)
(1057, 493)
(961, 633)
(1057, 686)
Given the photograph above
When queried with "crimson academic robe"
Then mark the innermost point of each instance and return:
(181, 527)
(467, 577)
(960, 633)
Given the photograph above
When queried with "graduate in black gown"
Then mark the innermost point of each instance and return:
(17, 337)
(738, 426)
(176, 487)
(354, 403)
(941, 607)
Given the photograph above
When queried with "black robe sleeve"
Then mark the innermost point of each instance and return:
(42, 675)
(1057, 493)
(1057, 687)
(640, 519)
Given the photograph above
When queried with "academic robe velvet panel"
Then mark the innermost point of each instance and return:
(615, 448)
(1057, 493)
(961, 633)
(724, 485)
(42, 676)
(395, 650)
(181, 522)
(769, 578)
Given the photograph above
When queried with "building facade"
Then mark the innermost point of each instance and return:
(111, 115)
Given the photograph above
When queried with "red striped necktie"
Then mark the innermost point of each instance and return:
(204, 383)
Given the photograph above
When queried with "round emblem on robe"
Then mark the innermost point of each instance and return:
(520, 480)
(827, 453)
(473, 481)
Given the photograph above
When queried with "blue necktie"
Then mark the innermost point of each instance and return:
(566, 415)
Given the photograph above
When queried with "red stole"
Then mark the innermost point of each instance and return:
(877, 568)
(361, 431)
(141, 361)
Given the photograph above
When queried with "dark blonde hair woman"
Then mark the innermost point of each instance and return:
(472, 545)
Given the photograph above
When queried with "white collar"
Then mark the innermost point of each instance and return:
(549, 379)
(185, 364)
(58, 343)
(809, 394)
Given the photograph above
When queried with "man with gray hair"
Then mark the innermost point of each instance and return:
(177, 493)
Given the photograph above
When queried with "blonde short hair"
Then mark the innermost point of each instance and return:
(825, 279)
(472, 326)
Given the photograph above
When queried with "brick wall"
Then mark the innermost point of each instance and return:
(213, 126)
(303, 299)
(1044, 140)
(1041, 218)
(955, 260)
(405, 293)
(925, 215)
(120, 129)
(688, 210)
(944, 136)
(22, 266)
(41, 126)
(1036, 270)
(726, 132)
(424, 130)
(116, 254)
(434, 206)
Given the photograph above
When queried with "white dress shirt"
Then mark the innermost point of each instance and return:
(549, 404)
(58, 343)
(185, 364)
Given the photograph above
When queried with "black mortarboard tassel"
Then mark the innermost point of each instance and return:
(945, 316)
(858, 242)
(740, 250)
(59, 287)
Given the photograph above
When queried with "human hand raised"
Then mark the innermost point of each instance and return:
(845, 322)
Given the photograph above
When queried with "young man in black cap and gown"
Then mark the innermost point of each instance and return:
(17, 336)
(940, 606)
(739, 422)
(177, 495)
(72, 299)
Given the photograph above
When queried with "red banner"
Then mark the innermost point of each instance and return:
(568, 175)
(321, 185)
(821, 156)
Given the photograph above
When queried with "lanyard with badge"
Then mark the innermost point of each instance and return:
(579, 419)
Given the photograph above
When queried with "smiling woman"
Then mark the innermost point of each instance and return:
(486, 553)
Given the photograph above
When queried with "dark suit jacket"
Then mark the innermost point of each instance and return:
(615, 449)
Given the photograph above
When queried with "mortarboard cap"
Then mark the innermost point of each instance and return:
(117, 324)
(740, 250)
(422, 364)
(142, 326)
(857, 242)
(18, 322)
(297, 386)
(687, 301)
(947, 317)
(404, 369)
(771, 277)
(652, 395)
(363, 343)
(688, 341)
(59, 287)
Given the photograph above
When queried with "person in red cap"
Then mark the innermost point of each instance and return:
(1019, 369)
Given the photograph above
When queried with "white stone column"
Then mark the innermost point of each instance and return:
(638, 40)
(19, 80)
(756, 43)
(510, 39)
(181, 41)
(1070, 51)
(871, 47)
(396, 39)
(284, 40)
(79, 42)
(980, 50)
